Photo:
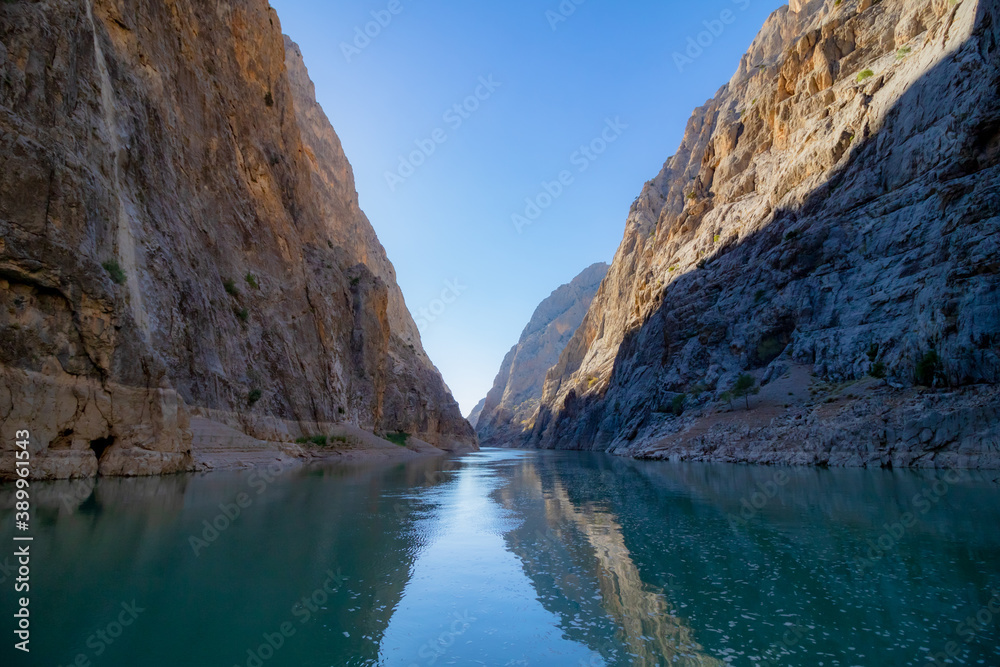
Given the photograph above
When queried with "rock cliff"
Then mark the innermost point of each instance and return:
(180, 230)
(832, 213)
(476, 413)
(517, 389)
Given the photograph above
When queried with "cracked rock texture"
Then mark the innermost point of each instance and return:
(180, 228)
(834, 206)
(518, 386)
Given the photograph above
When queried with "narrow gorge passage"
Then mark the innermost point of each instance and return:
(544, 332)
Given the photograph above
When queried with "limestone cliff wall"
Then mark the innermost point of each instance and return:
(517, 389)
(835, 205)
(180, 228)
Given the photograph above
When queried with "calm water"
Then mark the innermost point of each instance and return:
(514, 558)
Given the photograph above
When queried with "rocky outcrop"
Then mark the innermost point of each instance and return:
(180, 228)
(476, 413)
(518, 386)
(834, 207)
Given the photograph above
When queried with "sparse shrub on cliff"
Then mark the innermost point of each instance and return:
(759, 296)
(902, 52)
(877, 369)
(115, 270)
(864, 75)
(873, 352)
(677, 405)
(398, 438)
(928, 369)
(744, 387)
(254, 396)
(230, 287)
(318, 440)
(242, 313)
(252, 281)
(727, 397)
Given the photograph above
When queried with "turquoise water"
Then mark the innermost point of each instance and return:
(514, 558)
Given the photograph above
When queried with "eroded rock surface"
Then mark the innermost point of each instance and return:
(835, 206)
(518, 386)
(180, 228)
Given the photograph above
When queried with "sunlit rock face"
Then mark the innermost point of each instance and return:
(180, 228)
(518, 386)
(833, 207)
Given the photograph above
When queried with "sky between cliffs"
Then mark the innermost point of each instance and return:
(498, 146)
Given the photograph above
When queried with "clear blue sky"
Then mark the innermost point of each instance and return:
(560, 81)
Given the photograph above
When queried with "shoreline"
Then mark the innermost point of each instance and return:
(217, 446)
(799, 419)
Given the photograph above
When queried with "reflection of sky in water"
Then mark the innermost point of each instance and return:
(468, 599)
(516, 558)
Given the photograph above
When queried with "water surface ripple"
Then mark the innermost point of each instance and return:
(514, 558)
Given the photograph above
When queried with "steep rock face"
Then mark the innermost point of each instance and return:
(834, 206)
(477, 413)
(172, 236)
(518, 386)
(415, 399)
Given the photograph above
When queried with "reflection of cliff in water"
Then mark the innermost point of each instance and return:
(305, 523)
(576, 557)
(741, 583)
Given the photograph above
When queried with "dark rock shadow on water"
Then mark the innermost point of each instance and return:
(691, 563)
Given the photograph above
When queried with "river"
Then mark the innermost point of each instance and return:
(514, 558)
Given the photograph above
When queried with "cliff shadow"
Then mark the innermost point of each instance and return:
(845, 278)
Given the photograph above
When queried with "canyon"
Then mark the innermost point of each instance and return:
(183, 253)
(517, 389)
(187, 280)
(822, 247)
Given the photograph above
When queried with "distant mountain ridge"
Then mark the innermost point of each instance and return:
(518, 386)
